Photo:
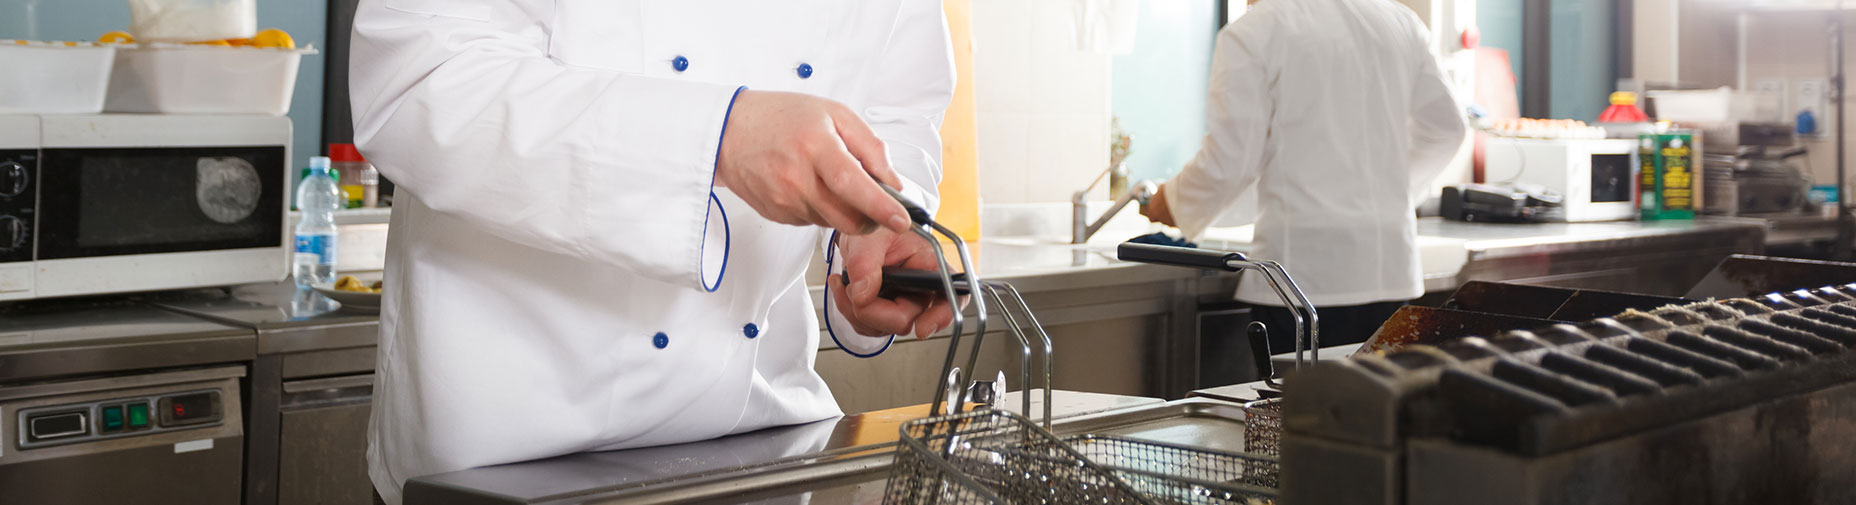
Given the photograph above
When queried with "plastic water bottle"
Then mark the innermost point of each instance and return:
(317, 197)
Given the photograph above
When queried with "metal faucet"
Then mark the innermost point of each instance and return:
(1081, 228)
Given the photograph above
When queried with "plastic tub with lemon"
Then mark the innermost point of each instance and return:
(234, 76)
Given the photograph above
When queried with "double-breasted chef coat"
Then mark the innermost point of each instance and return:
(562, 273)
(1337, 113)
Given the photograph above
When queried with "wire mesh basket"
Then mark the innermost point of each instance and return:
(996, 457)
(1170, 473)
(1263, 428)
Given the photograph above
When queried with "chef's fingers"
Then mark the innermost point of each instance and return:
(863, 263)
(845, 307)
(891, 316)
(845, 179)
(880, 316)
(937, 316)
(779, 214)
(837, 214)
(863, 143)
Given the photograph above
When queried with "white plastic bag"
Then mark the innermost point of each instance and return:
(192, 20)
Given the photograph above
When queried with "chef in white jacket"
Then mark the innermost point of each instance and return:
(605, 207)
(1337, 113)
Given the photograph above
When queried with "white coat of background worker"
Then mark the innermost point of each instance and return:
(605, 209)
(1338, 114)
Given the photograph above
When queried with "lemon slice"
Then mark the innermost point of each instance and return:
(272, 37)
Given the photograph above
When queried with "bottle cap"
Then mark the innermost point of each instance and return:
(1623, 98)
(345, 153)
(320, 164)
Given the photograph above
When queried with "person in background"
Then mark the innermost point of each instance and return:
(605, 209)
(1336, 111)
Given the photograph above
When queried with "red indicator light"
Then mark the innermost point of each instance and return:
(180, 410)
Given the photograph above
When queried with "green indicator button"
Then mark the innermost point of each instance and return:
(112, 419)
(138, 415)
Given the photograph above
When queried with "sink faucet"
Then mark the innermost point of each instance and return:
(1081, 228)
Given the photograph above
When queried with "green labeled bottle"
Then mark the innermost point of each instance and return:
(1668, 178)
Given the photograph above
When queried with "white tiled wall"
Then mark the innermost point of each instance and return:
(1784, 46)
(1794, 47)
(1043, 104)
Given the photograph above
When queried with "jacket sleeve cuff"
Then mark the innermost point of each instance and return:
(839, 328)
(712, 260)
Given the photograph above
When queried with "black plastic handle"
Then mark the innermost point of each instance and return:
(899, 281)
(1259, 336)
(1178, 256)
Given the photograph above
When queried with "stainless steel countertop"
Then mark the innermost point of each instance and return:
(1509, 239)
(52, 338)
(285, 318)
(855, 443)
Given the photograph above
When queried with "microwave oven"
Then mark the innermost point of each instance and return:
(1596, 178)
(96, 204)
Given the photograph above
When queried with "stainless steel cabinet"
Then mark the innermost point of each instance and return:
(322, 446)
(156, 438)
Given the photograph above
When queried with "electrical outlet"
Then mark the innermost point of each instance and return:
(1772, 92)
(1812, 95)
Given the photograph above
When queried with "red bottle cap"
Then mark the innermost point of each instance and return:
(340, 153)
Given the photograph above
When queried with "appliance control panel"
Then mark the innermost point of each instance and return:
(119, 417)
(19, 170)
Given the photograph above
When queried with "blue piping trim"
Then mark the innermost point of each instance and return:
(727, 235)
(831, 248)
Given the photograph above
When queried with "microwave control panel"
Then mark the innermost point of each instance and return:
(18, 191)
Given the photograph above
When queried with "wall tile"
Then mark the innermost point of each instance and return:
(1003, 156)
(1066, 150)
(1043, 105)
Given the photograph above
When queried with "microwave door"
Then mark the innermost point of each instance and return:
(100, 203)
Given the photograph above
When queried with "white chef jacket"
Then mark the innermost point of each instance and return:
(1336, 110)
(562, 275)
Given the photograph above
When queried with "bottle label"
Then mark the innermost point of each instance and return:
(315, 249)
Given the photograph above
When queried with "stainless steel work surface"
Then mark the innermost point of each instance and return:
(824, 454)
(1235, 393)
(50, 338)
(287, 319)
(1193, 422)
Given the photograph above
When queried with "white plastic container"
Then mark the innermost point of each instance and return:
(190, 79)
(192, 20)
(54, 77)
(1722, 105)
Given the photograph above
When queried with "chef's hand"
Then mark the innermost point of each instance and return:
(803, 160)
(864, 257)
(1156, 209)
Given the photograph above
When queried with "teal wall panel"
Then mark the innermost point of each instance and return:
(1158, 91)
